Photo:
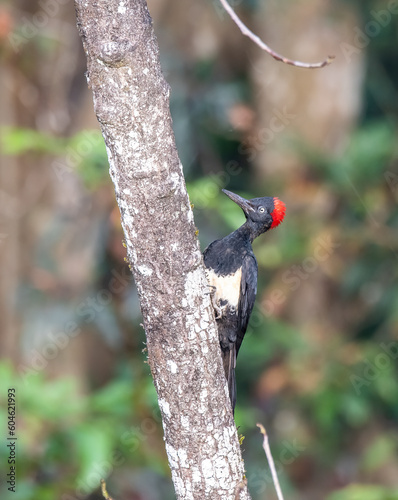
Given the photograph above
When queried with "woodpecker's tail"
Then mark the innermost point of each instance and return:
(229, 362)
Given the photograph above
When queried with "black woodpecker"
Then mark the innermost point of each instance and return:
(232, 275)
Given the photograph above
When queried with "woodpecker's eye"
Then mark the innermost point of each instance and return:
(261, 210)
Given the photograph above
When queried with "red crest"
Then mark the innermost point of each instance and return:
(278, 213)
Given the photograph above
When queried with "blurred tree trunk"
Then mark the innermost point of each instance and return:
(131, 101)
(315, 108)
(46, 212)
(10, 224)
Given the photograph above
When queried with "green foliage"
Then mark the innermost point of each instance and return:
(364, 161)
(15, 141)
(380, 452)
(83, 152)
(364, 492)
(64, 434)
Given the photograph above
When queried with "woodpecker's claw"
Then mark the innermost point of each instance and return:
(212, 291)
(218, 311)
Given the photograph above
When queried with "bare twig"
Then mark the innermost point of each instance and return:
(270, 461)
(105, 494)
(257, 40)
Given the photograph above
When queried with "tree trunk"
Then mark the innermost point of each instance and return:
(131, 101)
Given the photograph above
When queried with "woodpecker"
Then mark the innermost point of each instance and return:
(232, 274)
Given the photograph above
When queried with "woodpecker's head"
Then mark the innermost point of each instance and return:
(262, 214)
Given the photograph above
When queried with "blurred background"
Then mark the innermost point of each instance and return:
(319, 364)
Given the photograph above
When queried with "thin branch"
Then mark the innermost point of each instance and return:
(105, 494)
(270, 461)
(257, 40)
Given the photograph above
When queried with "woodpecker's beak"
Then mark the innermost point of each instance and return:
(242, 202)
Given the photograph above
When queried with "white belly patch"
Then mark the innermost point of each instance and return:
(226, 287)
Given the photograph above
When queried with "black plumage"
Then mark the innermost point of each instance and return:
(232, 274)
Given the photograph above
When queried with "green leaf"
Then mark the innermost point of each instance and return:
(364, 492)
(379, 452)
(94, 444)
(15, 141)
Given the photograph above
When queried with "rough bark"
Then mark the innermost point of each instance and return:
(131, 101)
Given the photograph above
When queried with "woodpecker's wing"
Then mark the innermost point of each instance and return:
(247, 297)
